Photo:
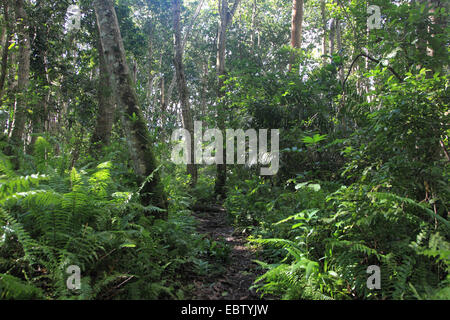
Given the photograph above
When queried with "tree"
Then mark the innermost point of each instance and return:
(20, 116)
(296, 27)
(7, 36)
(324, 29)
(138, 137)
(226, 16)
(186, 113)
(106, 104)
(180, 44)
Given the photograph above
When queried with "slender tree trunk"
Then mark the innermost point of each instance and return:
(254, 14)
(332, 35)
(138, 137)
(20, 116)
(6, 43)
(191, 24)
(151, 73)
(220, 68)
(339, 48)
(183, 44)
(226, 16)
(134, 67)
(40, 110)
(324, 30)
(173, 82)
(296, 28)
(10, 89)
(338, 35)
(297, 23)
(163, 102)
(204, 83)
(188, 122)
(106, 105)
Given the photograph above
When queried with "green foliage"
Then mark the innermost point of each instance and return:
(48, 222)
(388, 207)
(12, 288)
(364, 164)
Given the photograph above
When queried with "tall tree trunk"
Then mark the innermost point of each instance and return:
(41, 74)
(173, 82)
(226, 16)
(10, 85)
(339, 48)
(324, 30)
(188, 122)
(163, 98)
(106, 105)
(332, 35)
(151, 73)
(253, 31)
(10, 88)
(23, 78)
(138, 137)
(6, 44)
(296, 28)
(204, 83)
(220, 69)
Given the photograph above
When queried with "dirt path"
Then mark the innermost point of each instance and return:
(240, 270)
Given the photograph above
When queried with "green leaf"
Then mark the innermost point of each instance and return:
(128, 245)
(315, 187)
(300, 185)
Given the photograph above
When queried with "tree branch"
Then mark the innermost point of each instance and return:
(373, 60)
(191, 25)
(233, 10)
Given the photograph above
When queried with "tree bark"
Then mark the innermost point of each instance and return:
(339, 48)
(23, 76)
(254, 14)
(297, 23)
(106, 105)
(296, 28)
(226, 16)
(151, 73)
(188, 122)
(204, 83)
(6, 44)
(183, 44)
(162, 88)
(10, 88)
(221, 176)
(324, 30)
(138, 137)
(332, 35)
(41, 74)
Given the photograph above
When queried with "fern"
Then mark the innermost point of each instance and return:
(29, 245)
(394, 197)
(12, 288)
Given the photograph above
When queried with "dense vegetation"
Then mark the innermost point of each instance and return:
(87, 114)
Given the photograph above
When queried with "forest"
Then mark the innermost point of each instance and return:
(224, 150)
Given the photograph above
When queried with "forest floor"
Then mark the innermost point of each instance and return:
(235, 275)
